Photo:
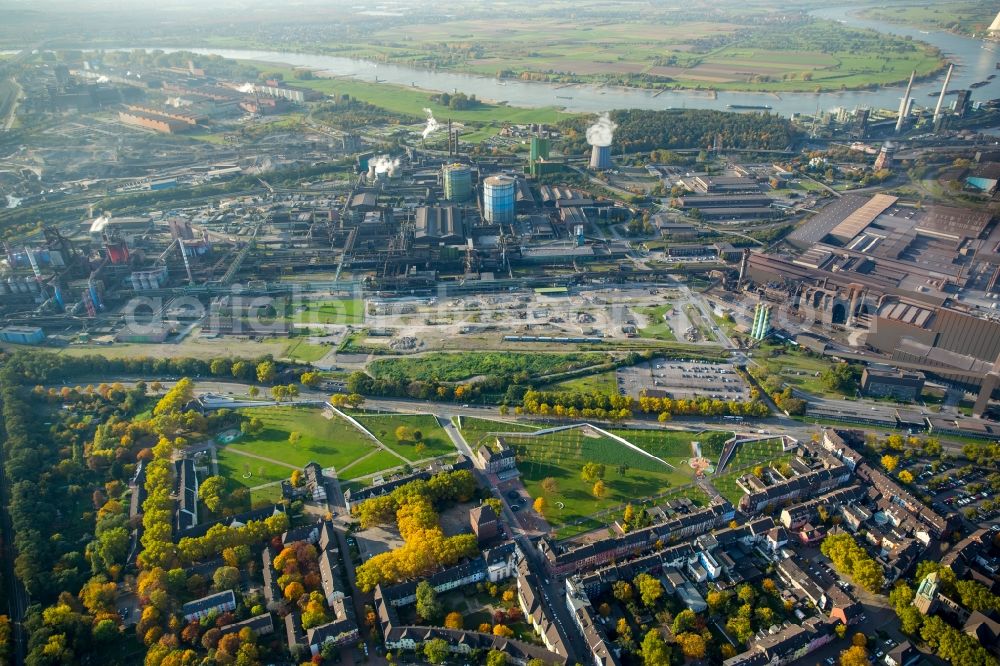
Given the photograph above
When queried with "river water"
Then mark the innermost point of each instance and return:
(974, 61)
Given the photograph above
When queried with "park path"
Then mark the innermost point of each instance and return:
(356, 461)
(264, 458)
(357, 424)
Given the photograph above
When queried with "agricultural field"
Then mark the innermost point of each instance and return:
(629, 476)
(459, 367)
(332, 442)
(960, 17)
(434, 439)
(475, 429)
(665, 48)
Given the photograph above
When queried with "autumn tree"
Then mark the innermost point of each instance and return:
(854, 656)
(550, 485)
(654, 649)
(266, 372)
(592, 472)
(890, 462)
(540, 505)
(211, 492)
(692, 645)
(650, 589)
(453, 620)
(599, 490)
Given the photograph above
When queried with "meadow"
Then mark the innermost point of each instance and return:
(459, 367)
(332, 442)
(629, 476)
(433, 437)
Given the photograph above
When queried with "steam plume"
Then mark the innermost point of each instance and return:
(382, 164)
(602, 131)
(432, 124)
(246, 88)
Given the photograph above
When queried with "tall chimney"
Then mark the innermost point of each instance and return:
(944, 90)
(903, 103)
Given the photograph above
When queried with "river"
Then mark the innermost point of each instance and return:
(974, 61)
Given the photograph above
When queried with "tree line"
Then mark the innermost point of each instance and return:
(643, 131)
(614, 407)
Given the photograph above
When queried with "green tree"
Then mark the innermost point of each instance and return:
(428, 606)
(495, 658)
(436, 650)
(226, 578)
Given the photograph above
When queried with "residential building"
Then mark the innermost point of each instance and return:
(219, 602)
(497, 458)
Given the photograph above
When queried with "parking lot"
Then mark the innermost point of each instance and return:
(684, 379)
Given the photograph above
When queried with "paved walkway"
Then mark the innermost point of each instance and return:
(264, 458)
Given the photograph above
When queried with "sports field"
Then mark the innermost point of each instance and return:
(629, 475)
(432, 436)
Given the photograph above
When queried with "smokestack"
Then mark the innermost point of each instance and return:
(903, 103)
(944, 90)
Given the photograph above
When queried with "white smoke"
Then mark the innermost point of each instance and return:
(432, 124)
(601, 132)
(383, 164)
(102, 79)
(246, 88)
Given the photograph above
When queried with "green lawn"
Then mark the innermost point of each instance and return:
(330, 442)
(435, 439)
(726, 483)
(306, 352)
(752, 453)
(236, 468)
(339, 311)
(797, 368)
(410, 101)
(377, 462)
(658, 329)
(629, 476)
(262, 496)
(475, 429)
(601, 382)
(674, 446)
